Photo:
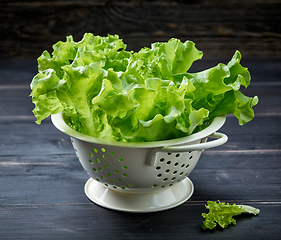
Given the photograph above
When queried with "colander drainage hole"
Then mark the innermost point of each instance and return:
(91, 154)
(169, 162)
(178, 155)
(158, 168)
(190, 157)
(103, 149)
(162, 159)
(131, 185)
(91, 161)
(159, 175)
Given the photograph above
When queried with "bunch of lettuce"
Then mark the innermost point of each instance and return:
(110, 93)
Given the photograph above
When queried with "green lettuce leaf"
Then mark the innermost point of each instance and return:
(218, 90)
(221, 213)
(108, 92)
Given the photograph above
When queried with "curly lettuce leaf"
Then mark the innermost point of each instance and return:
(221, 213)
(44, 94)
(108, 92)
(70, 87)
(218, 90)
(163, 60)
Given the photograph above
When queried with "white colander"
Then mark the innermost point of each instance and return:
(140, 177)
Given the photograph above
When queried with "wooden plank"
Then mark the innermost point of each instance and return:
(15, 101)
(229, 182)
(28, 138)
(59, 179)
(15, 79)
(86, 221)
(19, 72)
(23, 137)
(50, 179)
(19, 133)
(46, 195)
(217, 29)
(16, 105)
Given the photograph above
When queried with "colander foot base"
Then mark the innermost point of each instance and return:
(135, 202)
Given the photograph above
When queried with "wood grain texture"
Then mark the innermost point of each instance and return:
(86, 221)
(218, 29)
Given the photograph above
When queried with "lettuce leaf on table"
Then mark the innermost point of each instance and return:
(222, 214)
(111, 93)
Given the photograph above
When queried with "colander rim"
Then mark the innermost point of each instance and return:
(60, 124)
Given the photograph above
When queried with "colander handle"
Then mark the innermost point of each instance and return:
(220, 139)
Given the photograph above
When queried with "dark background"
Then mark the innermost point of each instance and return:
(217, 27)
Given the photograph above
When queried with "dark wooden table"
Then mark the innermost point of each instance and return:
(41, 190)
